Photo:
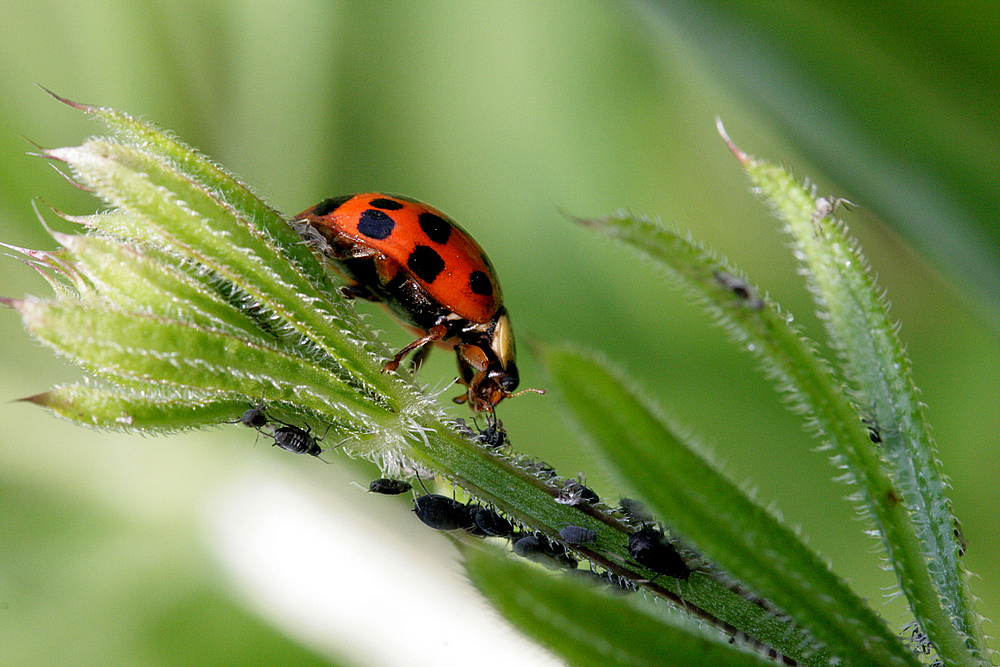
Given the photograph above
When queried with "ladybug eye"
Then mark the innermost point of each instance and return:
(508, 382)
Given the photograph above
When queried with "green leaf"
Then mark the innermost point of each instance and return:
(194, 222)
(142, 348)
(714, 515)
(114, 409)
(788, 358)
(879, 373)
(230, 191)
(150, 281)
(587, 627)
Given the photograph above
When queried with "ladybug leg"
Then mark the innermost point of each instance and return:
(341, 251)
(385, 268)
(358, 291)
(433, 335)
(471, 358)
(418, 358)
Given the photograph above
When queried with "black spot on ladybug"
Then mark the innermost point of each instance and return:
(480, 283)
(328, 206)
(375, 224)
(425, 263)
(437, 228)
(385, 204)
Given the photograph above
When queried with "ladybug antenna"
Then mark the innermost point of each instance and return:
(525, 391)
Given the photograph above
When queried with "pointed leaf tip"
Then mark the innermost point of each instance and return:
(67, 177)
(68, 102)
(27, 252)
(733, 148)
(42, 399)
(586, 222)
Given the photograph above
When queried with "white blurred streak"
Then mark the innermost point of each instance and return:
(372, 586)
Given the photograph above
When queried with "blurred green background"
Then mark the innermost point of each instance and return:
(507, 116)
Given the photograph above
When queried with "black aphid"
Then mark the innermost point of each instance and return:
(389, 487)
(575, 493)
(741, 288)
(255, 417)
(296, 440)
(587, 494)
(874, 433)
(541, 550)
(443, 513)
(529, 546)
(635, 510)
(650, 549)
(494, 435)
(491, 523)
(577, 535)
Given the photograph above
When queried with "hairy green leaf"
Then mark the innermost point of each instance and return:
(150, 281)
(923, 545)
(705, 508)
(113, 409)
(589, 628)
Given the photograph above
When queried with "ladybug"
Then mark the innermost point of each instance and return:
(431, 274)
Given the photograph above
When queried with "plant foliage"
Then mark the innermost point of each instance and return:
(192, 299)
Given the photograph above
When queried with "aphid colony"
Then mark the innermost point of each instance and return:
(647, 545)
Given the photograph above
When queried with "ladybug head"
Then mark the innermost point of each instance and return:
(498, 384)
(487, 367)
(487, 384)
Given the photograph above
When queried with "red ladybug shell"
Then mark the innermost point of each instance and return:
(421, 241)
